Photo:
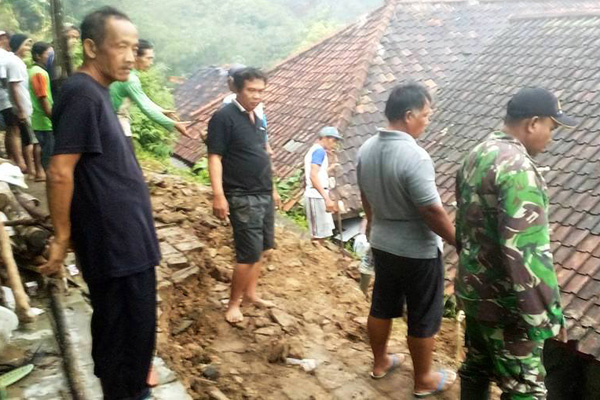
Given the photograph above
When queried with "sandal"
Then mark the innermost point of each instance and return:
(396, 362)
(440, 388)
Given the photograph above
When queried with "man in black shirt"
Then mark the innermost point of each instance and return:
(100, 202)
(241, 178)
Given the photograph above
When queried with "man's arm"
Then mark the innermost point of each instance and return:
(525, 245)
(423, 192)
(40, 86)
(20, 111)
(147, 106)
(60, 194)
(439, 222)
(368, 212)
(215, 170)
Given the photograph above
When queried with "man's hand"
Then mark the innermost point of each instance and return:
(181, 128)
(56, 260)
(220, 206)
(171, 114)
(276, 199)
(330, 205)
(21, 115)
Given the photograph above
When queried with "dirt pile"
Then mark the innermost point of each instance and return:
(320, 313)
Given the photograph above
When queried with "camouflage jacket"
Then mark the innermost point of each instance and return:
(506, 274)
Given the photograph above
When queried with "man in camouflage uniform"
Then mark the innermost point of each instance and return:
(506, 281)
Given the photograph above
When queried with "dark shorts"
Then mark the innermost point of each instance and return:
(419, 282)
(27, 135)
(46, 140)
(253, 221)
(10, 119)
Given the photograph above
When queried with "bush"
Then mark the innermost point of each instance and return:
(152, 137)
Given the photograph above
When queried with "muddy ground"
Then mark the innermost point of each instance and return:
(320, 314)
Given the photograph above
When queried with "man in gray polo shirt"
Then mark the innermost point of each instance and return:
(405, 221)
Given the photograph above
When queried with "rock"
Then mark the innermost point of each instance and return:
(225, 251)
(311, 317)
(261, 322)
(271, 268)
(221, 273)
(333, 376)
(167, 250)
(295, 263)
(296, 349)
(238, 379)
(210, 222)
(177, 262)
(182, 327)
(230, 346)
(165, 375)
(193, 245)
(216, 394)
(282, 318)
(171, 218)
(171, 233)
(184, 274)
(211, 372)
(269, 331)
(219, 287)
(187, 192)
(163, 285)
(278, 352)
(213, 252)
(361, 320)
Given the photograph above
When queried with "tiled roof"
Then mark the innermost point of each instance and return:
(563, 55)
(315, 88)
(431, 42)
(199, 89)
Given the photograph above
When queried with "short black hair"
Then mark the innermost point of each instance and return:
(404, 98)
(144, 45)
(38, 49)
(247, 74)
(94, 24)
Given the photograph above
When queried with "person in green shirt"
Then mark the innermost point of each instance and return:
(123, 93)
(41, 99)
(506, 283)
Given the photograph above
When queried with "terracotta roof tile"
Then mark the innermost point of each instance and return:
(200, 89)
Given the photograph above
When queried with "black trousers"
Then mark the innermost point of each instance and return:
(124, 333)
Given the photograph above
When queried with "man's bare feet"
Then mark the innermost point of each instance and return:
(258, 302)
(152, 379)
(234, 315)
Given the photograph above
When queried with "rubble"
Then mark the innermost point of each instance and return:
(320, 314)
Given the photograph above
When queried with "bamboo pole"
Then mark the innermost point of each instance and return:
(23, 309)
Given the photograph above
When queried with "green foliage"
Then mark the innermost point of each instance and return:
(189, 34)
(200, 169)
(287, 188)
(450, 306)
(33, 15)
(150, 136)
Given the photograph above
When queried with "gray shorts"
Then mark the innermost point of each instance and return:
(253, 220)
(320, 222)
